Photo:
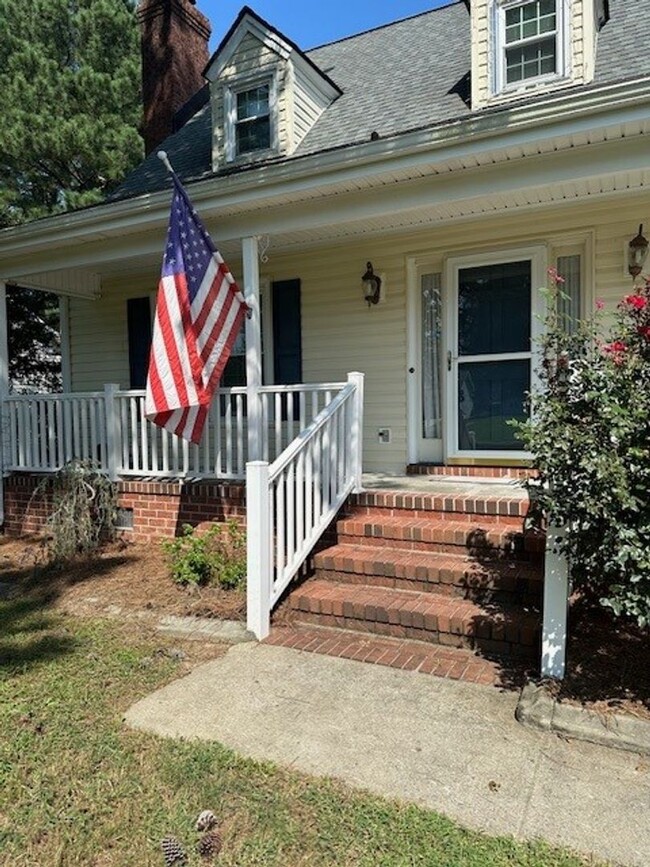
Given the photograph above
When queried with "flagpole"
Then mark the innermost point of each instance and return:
(162, 156)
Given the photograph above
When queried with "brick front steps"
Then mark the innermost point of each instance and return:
(470, 471)
(456, 571)
(432, 659)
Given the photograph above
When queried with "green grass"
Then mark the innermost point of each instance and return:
(78, 788)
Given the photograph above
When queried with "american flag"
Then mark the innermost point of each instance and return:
(199, 313)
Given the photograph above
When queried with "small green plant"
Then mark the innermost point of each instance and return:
(83, 508)
(215, 556)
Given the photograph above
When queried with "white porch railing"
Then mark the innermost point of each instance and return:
(291, 502)
(42, 432)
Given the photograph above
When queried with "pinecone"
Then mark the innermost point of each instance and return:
(175, 855)
(209, 845)
(206, 820)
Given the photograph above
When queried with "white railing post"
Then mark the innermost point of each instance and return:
(556, 608)
(4, 388)
(356, 434)
(112, 431)
(258, 549)
(251, 271)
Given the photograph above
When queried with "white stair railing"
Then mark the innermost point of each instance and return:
(291, 502)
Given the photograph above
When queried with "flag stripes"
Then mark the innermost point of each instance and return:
(199, 313)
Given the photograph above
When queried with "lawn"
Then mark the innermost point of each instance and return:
(78, 788)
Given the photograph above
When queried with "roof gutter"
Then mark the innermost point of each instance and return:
(495, 128)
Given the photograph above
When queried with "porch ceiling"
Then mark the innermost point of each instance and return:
(532, 172)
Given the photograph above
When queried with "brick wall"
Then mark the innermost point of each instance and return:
(159, 508)
(174, 43)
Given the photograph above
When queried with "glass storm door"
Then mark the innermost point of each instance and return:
(489, 360)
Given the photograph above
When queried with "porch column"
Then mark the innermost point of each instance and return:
(251, 273)
(4, 386)
(556, 608)
(64, 330)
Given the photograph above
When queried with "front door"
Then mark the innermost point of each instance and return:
(492, 319)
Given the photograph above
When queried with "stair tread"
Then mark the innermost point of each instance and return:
(407, 600)
(434, 659)
(431, 559)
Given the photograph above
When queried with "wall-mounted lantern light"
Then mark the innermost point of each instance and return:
(637, 253)
(371, 285)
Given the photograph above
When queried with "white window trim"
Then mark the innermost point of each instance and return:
(498, 49)
(230, 115)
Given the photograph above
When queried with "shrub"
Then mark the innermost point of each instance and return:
(589, 435)
(216, 556)
(83, 510)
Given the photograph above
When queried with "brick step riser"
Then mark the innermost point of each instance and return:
(529, 551)
(493, 591)
(488, 646)
(470, 471)
(510, 518)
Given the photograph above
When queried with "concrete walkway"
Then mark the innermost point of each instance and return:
(451, 746)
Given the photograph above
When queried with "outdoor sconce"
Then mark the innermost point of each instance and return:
(637, 253)
(371, 285)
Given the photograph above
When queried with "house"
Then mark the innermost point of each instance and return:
(391, 203)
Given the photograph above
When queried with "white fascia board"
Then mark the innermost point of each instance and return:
(247, 25)
(297, 176)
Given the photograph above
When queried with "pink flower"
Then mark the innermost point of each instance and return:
(644, 331)
(555, 277)
(638, 302)
(615, 350)
(600, 304)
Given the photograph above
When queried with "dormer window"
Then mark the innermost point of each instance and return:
(253, 119)
(529, 43)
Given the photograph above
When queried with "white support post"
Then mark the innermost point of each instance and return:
(64, 331)
(112, 431)
(250, 263)
(356, 434)
(258, 549)
(556, 608)
(4, 387)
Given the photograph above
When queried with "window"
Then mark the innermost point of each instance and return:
(252, 119)
(529, 42)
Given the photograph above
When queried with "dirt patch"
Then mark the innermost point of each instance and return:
(130, 576)
(608, 663)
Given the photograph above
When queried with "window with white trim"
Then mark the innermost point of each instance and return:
(252, 119)
(529, 42)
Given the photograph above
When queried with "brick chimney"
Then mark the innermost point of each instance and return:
(174, 40)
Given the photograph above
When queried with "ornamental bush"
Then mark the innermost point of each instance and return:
(216, 556)
(589, 435)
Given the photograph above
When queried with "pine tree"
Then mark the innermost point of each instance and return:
(69, 103)
(70, 108)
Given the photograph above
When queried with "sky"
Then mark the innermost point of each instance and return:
(310, 23)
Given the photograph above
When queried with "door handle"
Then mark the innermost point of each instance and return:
(449, 360)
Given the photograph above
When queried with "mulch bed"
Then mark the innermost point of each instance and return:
(130, 576)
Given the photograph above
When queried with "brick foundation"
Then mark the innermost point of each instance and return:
(159, 508)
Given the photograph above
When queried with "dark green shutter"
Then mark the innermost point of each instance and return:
(138, 312)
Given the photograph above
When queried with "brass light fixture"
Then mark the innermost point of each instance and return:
(637, 253)
(371, 285)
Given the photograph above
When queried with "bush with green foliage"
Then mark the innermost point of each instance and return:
(83, 510)
(589, 436)
(215, 556)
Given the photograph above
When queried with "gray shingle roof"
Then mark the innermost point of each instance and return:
(407, 75)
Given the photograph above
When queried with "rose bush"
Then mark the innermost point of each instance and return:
(589, 435)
